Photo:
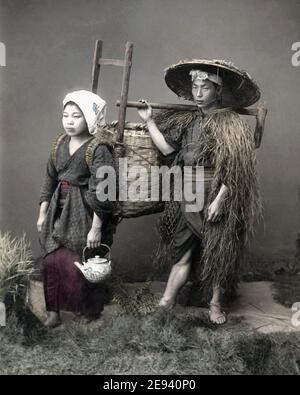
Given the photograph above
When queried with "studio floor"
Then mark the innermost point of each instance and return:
(255, 306)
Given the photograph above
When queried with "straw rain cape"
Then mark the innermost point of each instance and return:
(228, 143)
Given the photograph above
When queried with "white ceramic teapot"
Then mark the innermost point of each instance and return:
(95, 269)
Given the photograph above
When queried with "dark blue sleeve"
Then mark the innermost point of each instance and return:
(103, 160)
(50, 182)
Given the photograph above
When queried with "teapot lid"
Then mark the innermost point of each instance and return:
(98, 259)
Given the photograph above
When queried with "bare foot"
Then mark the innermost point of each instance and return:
(216, 315)
(53, 320)
(166, 303)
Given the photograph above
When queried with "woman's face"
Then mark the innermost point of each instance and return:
(204, 93)
(73, 120)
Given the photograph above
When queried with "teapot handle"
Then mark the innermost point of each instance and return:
(104, 245)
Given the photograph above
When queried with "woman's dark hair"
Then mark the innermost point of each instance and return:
(72, 104)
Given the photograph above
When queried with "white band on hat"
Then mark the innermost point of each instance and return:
(204, 75)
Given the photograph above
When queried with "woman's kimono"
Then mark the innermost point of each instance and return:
(70, 188)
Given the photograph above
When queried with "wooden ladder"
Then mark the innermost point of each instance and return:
(126, 63)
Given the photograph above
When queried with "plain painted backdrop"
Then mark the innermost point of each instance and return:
(49, 53)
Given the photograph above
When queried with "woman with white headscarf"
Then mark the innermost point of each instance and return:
(71, 217)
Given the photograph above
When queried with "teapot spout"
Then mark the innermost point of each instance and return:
(80, 266)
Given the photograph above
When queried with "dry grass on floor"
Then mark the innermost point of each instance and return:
(158, 343)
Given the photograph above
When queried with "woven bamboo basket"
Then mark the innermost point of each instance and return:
(137, 147)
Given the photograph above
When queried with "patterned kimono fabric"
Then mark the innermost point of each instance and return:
(70, 187)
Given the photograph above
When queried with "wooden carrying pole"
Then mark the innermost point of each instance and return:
(126, 63)
(260, 113)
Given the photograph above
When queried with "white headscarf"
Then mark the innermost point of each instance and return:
(91, 105)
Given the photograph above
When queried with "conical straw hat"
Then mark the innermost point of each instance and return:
(239, 89)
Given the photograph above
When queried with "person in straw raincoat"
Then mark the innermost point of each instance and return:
(211, 240)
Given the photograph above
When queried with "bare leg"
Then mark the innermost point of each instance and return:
(53, 319)
(178, 277)
(217, 316)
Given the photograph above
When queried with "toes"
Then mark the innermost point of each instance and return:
(217, 318)
(221, 320)
(218, 321)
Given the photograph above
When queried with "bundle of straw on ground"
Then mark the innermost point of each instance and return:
(16, 265)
